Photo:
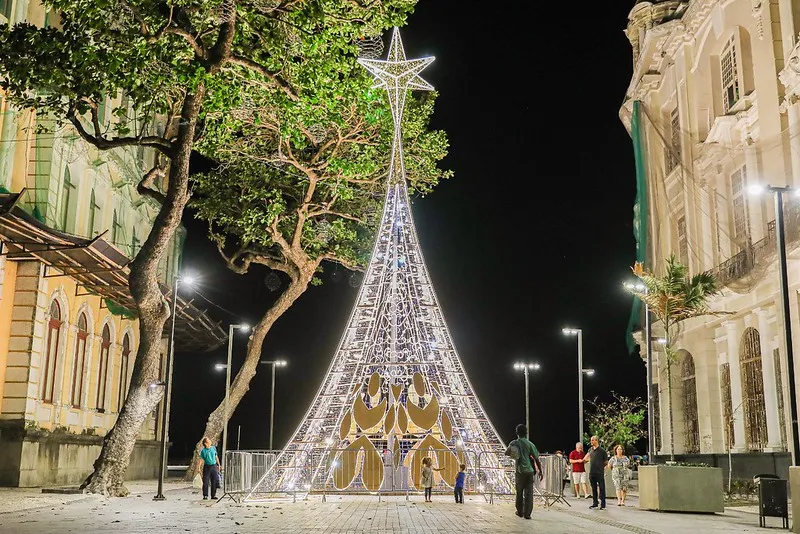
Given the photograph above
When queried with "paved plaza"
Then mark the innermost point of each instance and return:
(28, 512)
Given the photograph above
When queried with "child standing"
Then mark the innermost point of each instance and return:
(459, 487)
(427, 477)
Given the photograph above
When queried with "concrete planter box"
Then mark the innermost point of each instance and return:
(681, 489)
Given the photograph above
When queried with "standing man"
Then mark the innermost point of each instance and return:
(525, 471)
(597, 458)
(580, 478)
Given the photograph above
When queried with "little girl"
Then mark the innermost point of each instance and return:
(427, 477)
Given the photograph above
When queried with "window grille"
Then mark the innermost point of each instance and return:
(94, 209)
(727, 404)
(67, 194)
(123, 371)
(738, 179)
(51, 353)
(674, 150)
(79, 362)
(683, 241)
(776, 354)
(102, 382)
(691, 428)
(730, 76)
(755, 415)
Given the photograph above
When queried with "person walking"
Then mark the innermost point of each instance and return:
(620, 473)
(580, 478)
(458, 489)
(597, 458)
(209, 461)
(526, 456)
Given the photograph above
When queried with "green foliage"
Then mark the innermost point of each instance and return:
(306, 175)
(619, 422)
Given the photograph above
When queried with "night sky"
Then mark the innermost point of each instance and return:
(533, 233)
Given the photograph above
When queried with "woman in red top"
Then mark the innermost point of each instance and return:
(579, 475)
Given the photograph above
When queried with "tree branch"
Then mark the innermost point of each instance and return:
(278, 81)
(145, 187)
(159, 143)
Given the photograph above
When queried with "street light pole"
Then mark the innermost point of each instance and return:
(525, 367)
(165, 403)
(243, 328)
(784, 288)
(787, 321)
(273, 363)
(648, 334)
(581, 371)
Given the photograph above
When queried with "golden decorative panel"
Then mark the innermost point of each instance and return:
(446, 426)
(425, 417)
(344, 427)
(388, 423)
(419, 384)
(374, 384)
(368, 418)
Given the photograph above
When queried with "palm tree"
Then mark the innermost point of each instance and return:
(672, 298)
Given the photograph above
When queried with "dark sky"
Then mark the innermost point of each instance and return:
(534, 232)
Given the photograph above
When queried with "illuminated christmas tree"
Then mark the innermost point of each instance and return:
(396, 387)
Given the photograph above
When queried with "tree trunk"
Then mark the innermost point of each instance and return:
(153, 309)
(671, 425)
(241, 384)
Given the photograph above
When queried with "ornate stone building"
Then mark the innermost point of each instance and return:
(712, 108)
(70, 221)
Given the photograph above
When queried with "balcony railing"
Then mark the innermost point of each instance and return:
(762, 251)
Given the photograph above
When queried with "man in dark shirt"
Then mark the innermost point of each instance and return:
(597, 458)
(526, 468)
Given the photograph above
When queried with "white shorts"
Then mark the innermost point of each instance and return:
(580, 478)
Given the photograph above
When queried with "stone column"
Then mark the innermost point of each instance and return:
(770, 385)
(732, 335)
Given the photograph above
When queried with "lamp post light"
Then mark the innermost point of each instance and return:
(219, 367)
(165, 402)
(779, 191)
(274, 364)
(581, 371)
(648, 335)
(525, 368)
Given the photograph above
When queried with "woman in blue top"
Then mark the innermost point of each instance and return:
(210, 464)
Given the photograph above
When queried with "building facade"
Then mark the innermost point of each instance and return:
(713, 109)
(71, 220)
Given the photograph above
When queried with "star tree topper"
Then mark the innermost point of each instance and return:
(397, 74)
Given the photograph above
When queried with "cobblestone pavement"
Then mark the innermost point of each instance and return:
(184, 512)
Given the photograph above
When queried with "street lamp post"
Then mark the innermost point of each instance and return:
(165, 403)
(784, 288)
(525, 368)
(274, 364)
(581, 371)
(244, 328)
(648, 335)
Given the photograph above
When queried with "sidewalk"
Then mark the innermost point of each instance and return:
(26, 512)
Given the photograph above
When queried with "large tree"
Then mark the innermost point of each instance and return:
(303, 184)
(179, 62)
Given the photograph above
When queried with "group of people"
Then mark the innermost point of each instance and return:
(598, 460)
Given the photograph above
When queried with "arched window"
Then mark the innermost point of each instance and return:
(691, 428)
(79, 362)
(727, 404)
(102, 381)
(755, 414)
(123, 371)
(51, 352)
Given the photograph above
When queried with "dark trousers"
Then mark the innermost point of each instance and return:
(210, 479)
(598, 483)
(459, 493)
(524, 483)
(428, 493)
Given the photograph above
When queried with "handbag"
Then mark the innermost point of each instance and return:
(197, 481)
(513, 450)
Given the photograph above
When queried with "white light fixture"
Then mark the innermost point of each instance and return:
(588, 372)
(661, 341)
(220, 366)
(187, 279)
(244, 328)
(755, 189)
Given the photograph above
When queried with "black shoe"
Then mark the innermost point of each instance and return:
(592, 507)
(518, 514)
(602, 507)
(205, 498)
(527, 517)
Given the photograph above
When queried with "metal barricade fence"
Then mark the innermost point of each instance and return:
(258, 475)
